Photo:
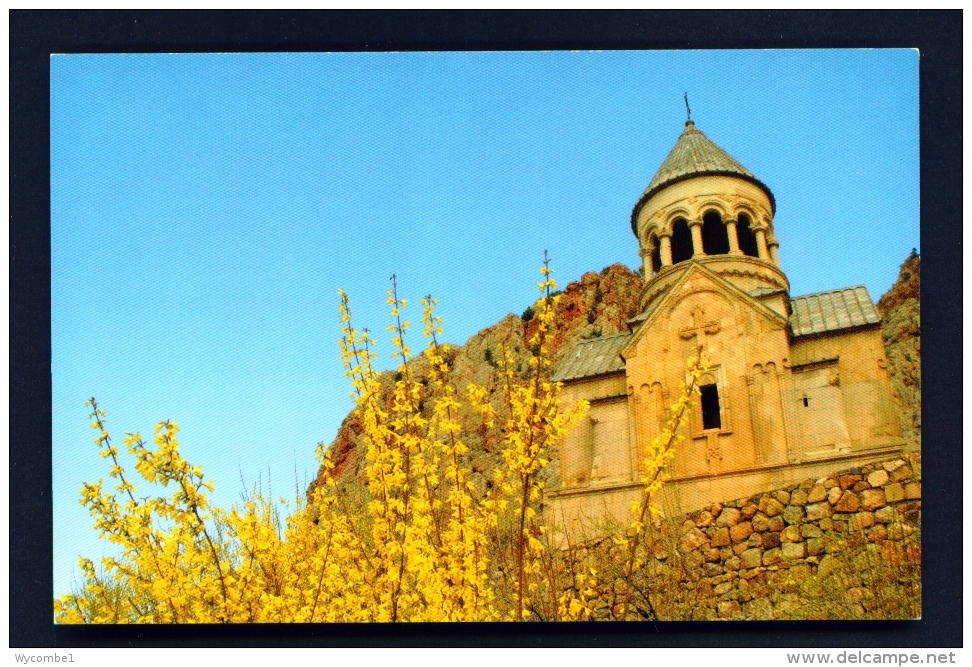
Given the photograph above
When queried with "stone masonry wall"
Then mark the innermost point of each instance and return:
(788, 553)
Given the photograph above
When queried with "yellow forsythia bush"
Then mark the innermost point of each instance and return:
(425, 546)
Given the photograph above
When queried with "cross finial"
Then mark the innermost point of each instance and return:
(688, 111)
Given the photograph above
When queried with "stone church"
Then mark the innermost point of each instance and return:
(797, 386)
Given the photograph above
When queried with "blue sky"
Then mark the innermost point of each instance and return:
(206, 208)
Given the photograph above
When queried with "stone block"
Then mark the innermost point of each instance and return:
(834, 494)
(878, 478)
(847, 481)
(828, 565)
(912, 490)
(885, 514)
(891, 466)
(729, 516)
(860, 486)
(771, 540)
(790, 534)
(860, 521)
(808, 530)
(829, 483)
(705, 519)
(818, 511)
(783, 497)
(723, 588)
(872, 499)
(915, 463)
(748, 510)
(849, 502)
(776, 523)
(733, 564)
(816, 494)
(826, 523)
(719, 537)
(728, 609)
(786, 604)
(793, 514)
(692, 540)
(877, 533)
(772, 557)
(793, 550)
(815, 546)
(751, 558)
(755, 540)
(759, 609)
(712, 569)
(800, 572)
(798, 497)
(741, 531)
(687, 525)
(739, 548)
(902, 473)
(770, 506)
(893, 492)
(725, 553)
(775, 578)
(692, 560)
(760, 522)
(712, 556)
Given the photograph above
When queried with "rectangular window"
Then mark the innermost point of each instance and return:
(710, 407)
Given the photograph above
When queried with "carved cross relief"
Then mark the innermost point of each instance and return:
(699, 327)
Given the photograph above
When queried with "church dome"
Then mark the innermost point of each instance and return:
(695, 154)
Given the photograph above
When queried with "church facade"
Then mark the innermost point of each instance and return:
(797, 386)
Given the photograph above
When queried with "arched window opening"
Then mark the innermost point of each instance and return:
(747, 240)
(681, 242)
(715, 239)
(710, 406)
(655, 254)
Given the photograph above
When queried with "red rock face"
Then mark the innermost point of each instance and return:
(900, 310)
(907, 287)
(599, 304)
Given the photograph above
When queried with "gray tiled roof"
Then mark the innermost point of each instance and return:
(824, 312)
(595, 356)
(695, 154)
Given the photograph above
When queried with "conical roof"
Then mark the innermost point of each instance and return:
(695, 154)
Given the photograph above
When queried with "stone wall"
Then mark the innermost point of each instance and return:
(844, 546)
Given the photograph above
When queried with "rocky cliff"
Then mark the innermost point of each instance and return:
(599, 304)
(900, 311)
